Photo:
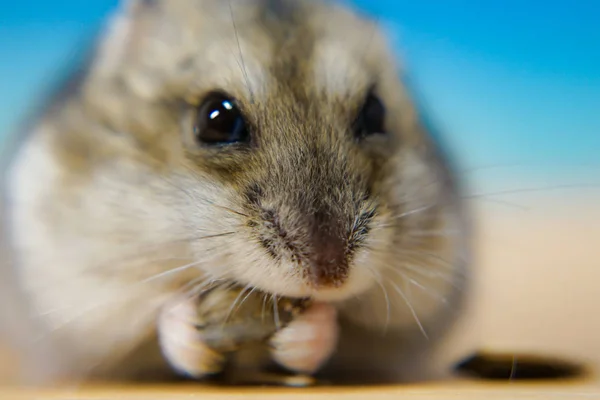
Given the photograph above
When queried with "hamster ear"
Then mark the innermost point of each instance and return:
(122, 34)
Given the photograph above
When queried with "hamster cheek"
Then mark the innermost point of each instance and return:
(307, 342)
(182, 344)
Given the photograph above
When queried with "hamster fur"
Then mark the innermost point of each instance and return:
(109, 194)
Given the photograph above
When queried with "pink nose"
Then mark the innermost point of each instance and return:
(328, 259)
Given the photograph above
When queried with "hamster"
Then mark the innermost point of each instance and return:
(271, 143)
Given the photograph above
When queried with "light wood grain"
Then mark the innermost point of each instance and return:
(449, 391)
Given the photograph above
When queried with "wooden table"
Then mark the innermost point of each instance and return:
(448, 391)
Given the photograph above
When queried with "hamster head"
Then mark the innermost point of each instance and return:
(289, 134)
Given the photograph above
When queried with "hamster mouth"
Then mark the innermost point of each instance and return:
(302, 301)
(304, 290)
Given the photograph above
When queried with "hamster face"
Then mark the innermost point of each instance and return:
(288, 132)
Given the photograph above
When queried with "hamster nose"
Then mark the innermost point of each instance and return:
(317, 243)
(328, 259)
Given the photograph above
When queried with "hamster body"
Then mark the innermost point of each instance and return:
(271, 143)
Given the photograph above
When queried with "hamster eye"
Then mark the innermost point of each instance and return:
(371, 118)
(219, 121)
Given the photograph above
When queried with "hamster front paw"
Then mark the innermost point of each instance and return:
(183, 345)
(308, 341)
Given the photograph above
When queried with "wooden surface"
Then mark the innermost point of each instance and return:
(448, 391)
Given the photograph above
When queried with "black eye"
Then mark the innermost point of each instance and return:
(219, 121)
(371, 118)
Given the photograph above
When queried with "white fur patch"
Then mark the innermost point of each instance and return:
(83, 252)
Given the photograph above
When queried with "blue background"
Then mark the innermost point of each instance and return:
(513, 83)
